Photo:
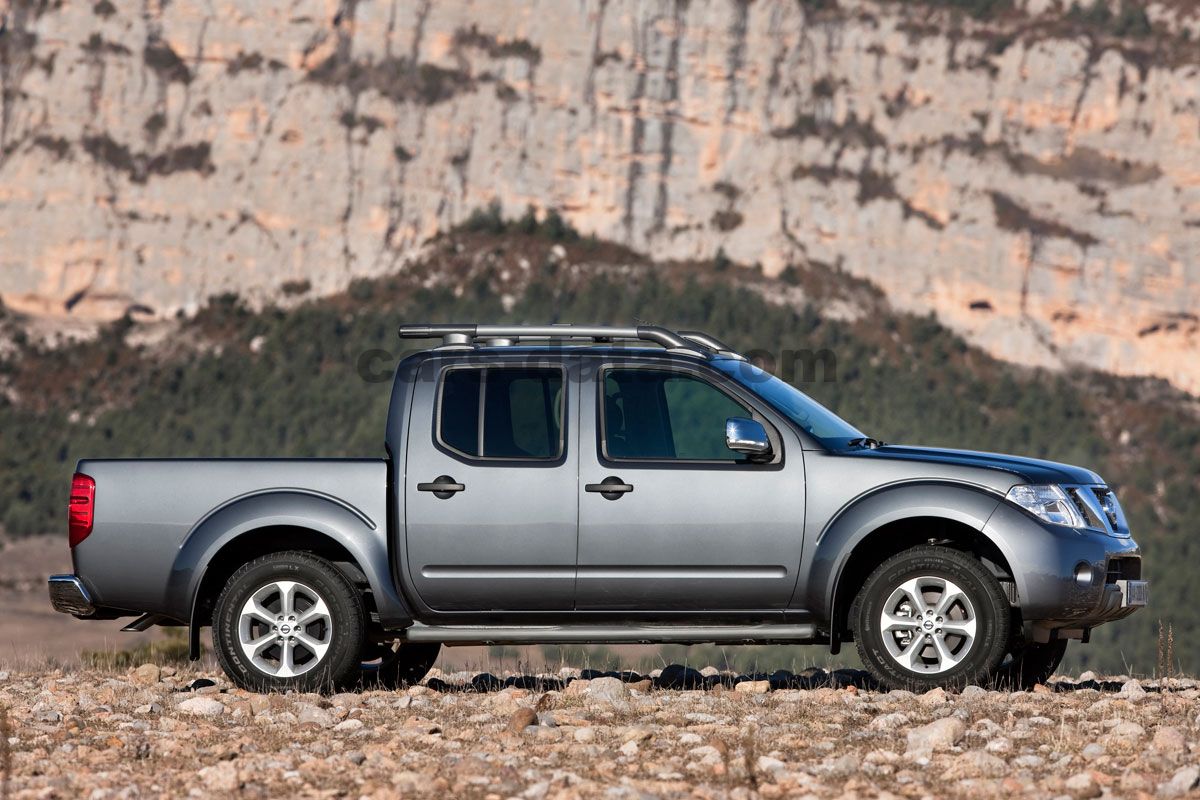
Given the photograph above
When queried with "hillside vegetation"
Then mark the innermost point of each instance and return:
(288, 381)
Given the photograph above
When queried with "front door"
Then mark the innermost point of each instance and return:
(489, 488)
(685, 524)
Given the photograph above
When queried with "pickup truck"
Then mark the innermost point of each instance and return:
(571, 484)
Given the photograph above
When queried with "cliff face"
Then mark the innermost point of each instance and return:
(1032, 177)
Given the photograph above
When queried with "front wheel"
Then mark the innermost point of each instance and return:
(931, 616)
(289, 621)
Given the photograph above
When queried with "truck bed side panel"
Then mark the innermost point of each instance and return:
(146, 510)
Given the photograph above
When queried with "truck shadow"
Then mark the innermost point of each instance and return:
(679, 677)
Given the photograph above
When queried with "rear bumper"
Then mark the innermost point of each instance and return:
(69, 596)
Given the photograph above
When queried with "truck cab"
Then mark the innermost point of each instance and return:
(571, 484)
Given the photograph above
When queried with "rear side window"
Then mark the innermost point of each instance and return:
(502, 413)
(655, 414)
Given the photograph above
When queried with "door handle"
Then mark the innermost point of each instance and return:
(443, 487)
(611, 488)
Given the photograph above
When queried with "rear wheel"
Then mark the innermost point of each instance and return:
(289, 621)
(1030, 664)
(396, 665)
(931, 616)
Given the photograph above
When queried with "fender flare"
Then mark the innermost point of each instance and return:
(320, 514)
(968, 504)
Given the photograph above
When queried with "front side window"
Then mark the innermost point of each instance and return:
(502, 413)
(656, 414)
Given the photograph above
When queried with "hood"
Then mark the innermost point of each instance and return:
(1030, 470)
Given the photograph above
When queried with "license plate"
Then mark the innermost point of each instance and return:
(1135, 593)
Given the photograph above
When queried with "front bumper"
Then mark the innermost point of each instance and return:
(1044, 559)
(69, 596)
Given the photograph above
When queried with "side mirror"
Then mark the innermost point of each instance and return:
(748, 437)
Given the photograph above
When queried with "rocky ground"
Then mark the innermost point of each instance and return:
(158, 731)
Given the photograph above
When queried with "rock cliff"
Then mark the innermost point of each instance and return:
(1030, 173)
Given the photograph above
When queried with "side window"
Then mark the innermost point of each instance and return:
(666, 415)
(502, 413)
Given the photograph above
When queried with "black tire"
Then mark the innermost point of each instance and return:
(1030, 664)
(396, 668)
(337, 666)
(976, 659)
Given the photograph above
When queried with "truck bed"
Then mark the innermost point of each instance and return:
(148, 511)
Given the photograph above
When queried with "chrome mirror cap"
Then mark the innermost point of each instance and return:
(747, 436)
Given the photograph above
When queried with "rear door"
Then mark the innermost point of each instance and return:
(698, 527)
(491, 507)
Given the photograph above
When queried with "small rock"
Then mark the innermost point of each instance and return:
(198, 684)
(202, 707)
(630, 748)
(349, 726)
(1127, 731)
(976, 764)
(937, 735)
(1184, 781)
(1131, 690)
(972, 692)
(147, 675)
(1092, 751)
(260, 703)
(771, 765)
(356, 757)
(999, 745)
(585, 735)
(889, 722)
(1087, 677)
(637, 734)
(47, 715)
(608, 690)
(522, 719)
(546, 719)
(315, 715)
(753, 687)
(1083, 786)
(934, 697)
(1028, 762)
(1169, 740)
(642, 686)
(222, 777)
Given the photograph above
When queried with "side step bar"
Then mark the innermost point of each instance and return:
(610, 634)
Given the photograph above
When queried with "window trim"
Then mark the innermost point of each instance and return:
(558, 458)
(751, 412)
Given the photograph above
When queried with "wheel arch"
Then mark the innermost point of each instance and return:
(273, 522)
(875, 527)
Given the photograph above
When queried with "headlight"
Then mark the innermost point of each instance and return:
(1049, 502)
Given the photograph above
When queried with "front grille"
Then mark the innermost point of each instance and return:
(1101, 496)
(1124, 569)
(1089, 517)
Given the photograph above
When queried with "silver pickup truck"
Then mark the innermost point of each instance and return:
(567, 484)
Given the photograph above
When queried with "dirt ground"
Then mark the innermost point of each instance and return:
(152, 731)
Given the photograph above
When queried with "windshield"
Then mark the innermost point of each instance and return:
(814, 418)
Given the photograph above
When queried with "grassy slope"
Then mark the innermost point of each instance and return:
(236, 382)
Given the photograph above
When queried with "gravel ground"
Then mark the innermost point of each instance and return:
(162, 732)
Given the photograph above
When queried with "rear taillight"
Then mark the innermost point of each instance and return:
(82, 511)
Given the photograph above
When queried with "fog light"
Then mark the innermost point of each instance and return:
(1083, 574)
